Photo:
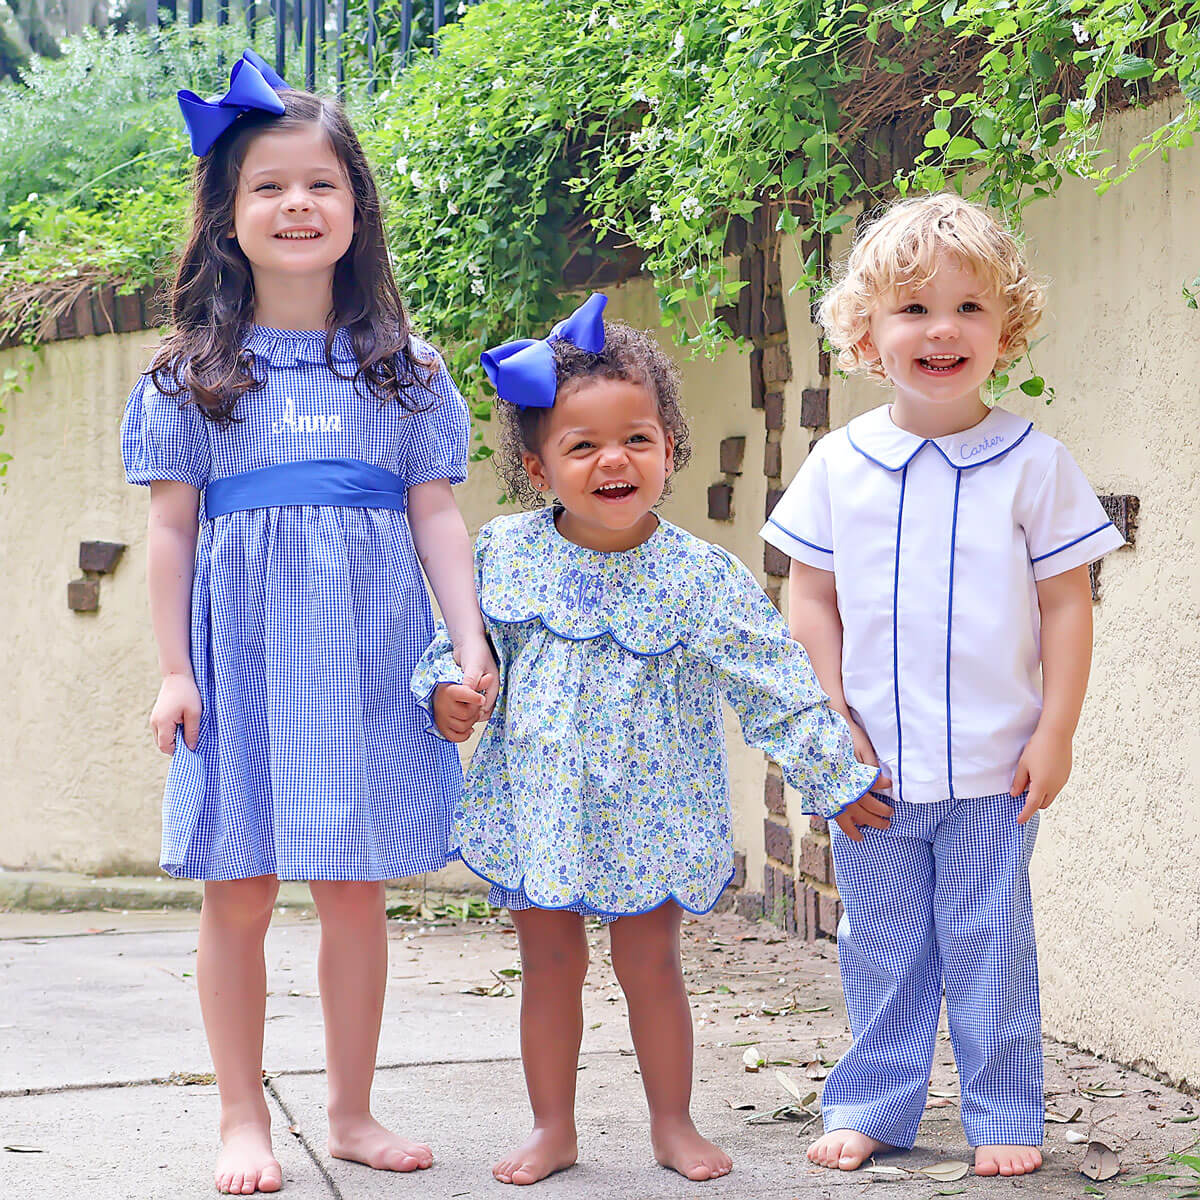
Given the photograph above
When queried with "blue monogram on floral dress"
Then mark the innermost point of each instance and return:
(600, 784)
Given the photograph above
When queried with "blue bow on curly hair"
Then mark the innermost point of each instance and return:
(253, 86)
(523, 372)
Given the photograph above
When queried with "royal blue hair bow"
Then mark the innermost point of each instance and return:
(523, 373)
(253, 85)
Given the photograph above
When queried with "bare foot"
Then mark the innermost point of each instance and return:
(1007, 1160)
(246, 1163)
(678, 1145)
(845, 1149)
(546, 1150)
(364, 1140)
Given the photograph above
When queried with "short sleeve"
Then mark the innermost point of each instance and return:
(164, 437)
(800, 524)
(767, 679)
(440, 434)
(1065, 525)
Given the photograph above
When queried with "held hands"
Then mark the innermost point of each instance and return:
(869, 809)
(178, 704)
(1043, 770)
(459, 707)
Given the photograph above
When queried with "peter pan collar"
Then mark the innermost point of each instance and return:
(877, 438)
(287, 347)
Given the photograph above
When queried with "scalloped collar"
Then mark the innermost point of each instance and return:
(648, 599)
(875, 437)
(287, 347)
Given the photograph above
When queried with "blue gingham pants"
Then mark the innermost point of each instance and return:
(939, 901)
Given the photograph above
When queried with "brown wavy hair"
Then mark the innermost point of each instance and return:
(212, 300)
(629, 355)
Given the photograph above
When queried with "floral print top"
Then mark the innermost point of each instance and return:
(601, 776)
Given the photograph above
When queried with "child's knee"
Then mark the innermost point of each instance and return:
(348, 900)
(244, 902)
(564, 961)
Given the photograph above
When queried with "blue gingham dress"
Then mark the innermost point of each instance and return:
(307, 623)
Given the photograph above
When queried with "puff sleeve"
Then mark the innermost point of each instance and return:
(1065, 525)
(801, 524)
(439, 434)
(766, 677)
(164, 437)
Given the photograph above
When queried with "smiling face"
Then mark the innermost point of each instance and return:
(294, 214)
(606, 456)
(938, 343)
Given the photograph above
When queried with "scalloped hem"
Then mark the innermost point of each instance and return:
(457, 855)
(834, 816)
(586, 637)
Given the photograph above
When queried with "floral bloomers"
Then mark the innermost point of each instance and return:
(600, 783)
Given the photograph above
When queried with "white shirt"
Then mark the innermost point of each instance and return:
(936, 546)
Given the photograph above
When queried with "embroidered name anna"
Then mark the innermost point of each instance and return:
(306, 423)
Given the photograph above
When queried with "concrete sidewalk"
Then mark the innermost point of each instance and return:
(104, 1070)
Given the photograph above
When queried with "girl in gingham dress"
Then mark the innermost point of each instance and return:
(599, 787)
(300, 447)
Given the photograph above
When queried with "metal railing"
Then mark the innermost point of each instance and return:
(308, 23)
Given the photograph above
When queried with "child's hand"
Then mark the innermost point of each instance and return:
(1043, 770)
(178, 704)
(863, 750)
(456, 709)
(867, 810)
(480, 673)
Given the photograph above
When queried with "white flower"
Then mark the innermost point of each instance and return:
(21, 240)
(474, 130)
(593, 18)
(735, 35)
(452, 208)
(461, 10)
(498, 83)
(31, 197)
(1081, 33)
(443, 184)
(656, 214)
(679, 39)
(402, 165)
(613, 23)
(417, 181)
(478, 287)
(473, 268)
(691, 208)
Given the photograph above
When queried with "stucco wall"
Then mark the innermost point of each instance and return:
(1117, 867)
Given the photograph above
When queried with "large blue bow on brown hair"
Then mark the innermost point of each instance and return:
(253, 85)
(523, 372)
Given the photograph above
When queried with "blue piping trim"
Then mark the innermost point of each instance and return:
(1052, 553)
(949, 632)
(931, 442)
(896, 636)
(868, 789)
(985, 461)
(877, 462)
(587, 637)
(599, 912)
(797, 538)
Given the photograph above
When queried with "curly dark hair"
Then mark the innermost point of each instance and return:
(629, 355)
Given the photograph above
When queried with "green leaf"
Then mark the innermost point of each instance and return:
(1034, 387)
(936, 137)
(962, 147)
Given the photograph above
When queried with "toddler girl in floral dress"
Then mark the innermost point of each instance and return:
(599, 787)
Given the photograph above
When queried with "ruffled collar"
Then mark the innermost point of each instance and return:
(648, 599)
(876, 437)
(287, 347)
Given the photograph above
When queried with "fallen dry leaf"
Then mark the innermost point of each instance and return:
(25, 1149)
(1099, 1163)
(889, 1172)
(946, 1172)
(1060, 1118)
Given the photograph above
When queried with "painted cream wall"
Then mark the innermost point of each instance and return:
(1117, 869)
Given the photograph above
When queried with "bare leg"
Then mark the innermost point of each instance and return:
(645, 955)
(231, 977)
(554, 959)
(1007, 1160)
(352, 969)
(845, 1149)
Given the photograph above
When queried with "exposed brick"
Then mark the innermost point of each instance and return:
(81, 314)
(101, 557)
(814, 858)
(104, 309)
(733, 452)
(777, 363)
(814, 408)
(83, 595)
(768, 889)
(777, 839)
(755, 294)
(789, 904)
(774, 495)
(1122, 511)
(773, 410)
(775, 595)
(809, 924)
(775, 561)
(64, 325)
(824, 364)
(735, 237)
(129, 313)
(829, 912)
(772, 460)
(749, 905)
(818, 824)
(774, 276)
(774, 316)
(739, 870)
(773, 796)
(779, 898)
(720, 502)
(758, 388)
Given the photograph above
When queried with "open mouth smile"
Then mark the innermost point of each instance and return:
(298, 235)
(615, 491)
(941, 364)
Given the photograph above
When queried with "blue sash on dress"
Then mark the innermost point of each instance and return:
(342, 482)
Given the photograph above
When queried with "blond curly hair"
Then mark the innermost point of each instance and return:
(900, 248)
